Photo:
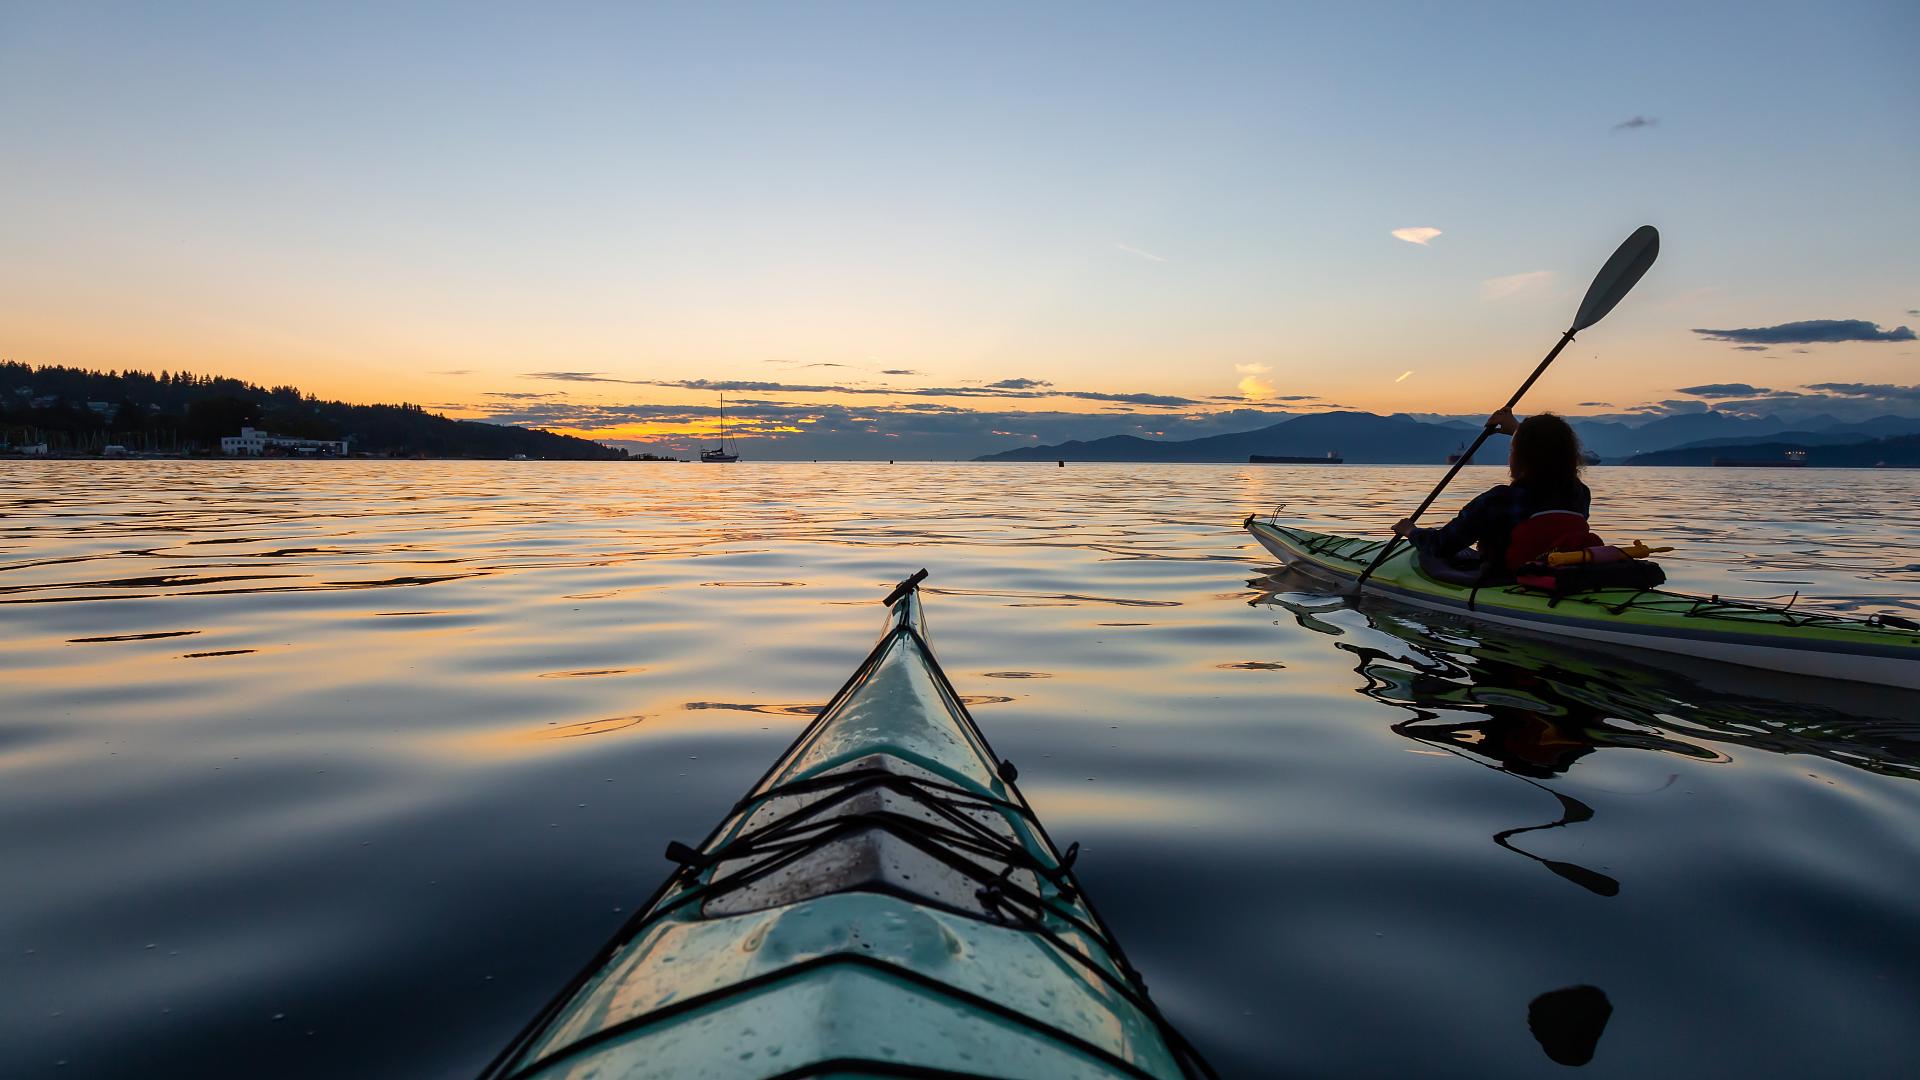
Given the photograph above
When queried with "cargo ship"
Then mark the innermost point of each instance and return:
(1332, 458)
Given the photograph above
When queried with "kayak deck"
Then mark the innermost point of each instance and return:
(882, 902)
(1756, 635)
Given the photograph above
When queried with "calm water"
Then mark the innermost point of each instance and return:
(339, 769)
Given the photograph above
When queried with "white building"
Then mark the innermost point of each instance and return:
(252, 442)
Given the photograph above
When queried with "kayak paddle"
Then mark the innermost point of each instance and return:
(1618, 277)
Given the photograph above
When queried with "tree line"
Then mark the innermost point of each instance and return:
(77, 410)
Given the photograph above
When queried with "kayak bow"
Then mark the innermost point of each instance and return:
(1868, 650)
(883, 902)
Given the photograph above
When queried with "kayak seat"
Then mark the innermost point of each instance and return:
(1463, 568)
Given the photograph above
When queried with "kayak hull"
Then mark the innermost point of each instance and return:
(1748, 635)
(883, 902)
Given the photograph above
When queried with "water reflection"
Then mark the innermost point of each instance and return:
(1533, 706)
(1533, 709)
(1568, 1023)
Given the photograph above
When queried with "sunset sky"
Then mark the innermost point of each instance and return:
(1123, 215)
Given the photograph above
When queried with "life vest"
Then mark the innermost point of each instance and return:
(1549, 530)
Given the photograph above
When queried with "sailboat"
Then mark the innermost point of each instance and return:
(719, 453)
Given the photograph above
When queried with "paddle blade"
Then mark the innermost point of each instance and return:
(1630, 260)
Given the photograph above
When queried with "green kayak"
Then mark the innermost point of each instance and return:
(1882, 650)
(882, 903)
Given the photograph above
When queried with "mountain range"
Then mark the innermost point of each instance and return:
(1371, 439)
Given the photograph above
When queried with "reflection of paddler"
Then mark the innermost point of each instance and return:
(1568, 1023)
(1524, 744)
(1531, 744)
(1518, 740)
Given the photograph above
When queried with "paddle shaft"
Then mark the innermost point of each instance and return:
(1461, 462)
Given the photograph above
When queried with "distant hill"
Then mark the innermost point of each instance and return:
(1370, 439)
(1900, 451)
(1615, 440)
(1833, 434)
(77, 410)
(1361, 438)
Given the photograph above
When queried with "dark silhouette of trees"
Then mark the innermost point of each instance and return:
(183, 411)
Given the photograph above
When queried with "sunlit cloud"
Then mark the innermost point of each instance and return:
(1403, 375)
(1252, 386)
(1142, 254)
(1255, 388)
(1416, 234)
(1517, 286)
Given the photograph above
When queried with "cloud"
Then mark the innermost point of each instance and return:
(1810, 331)
(1142, 254)
(1672, 407)
(1723, 390)
(898, 371)
(1415, 234)
(1403, 375)
(1635, 122)
(1241, 398)
(733, 385)
(1882, 391)
(582, 376)
(1532, 282)
(1752, 348)
(1005, 388)
(453, 371)
(1596, 404)
(1252, 385)
(1857, 401)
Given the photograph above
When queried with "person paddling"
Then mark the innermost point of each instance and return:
(1543, 508)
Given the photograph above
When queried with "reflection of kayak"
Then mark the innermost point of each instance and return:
(1806, 642)
(882, 903)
